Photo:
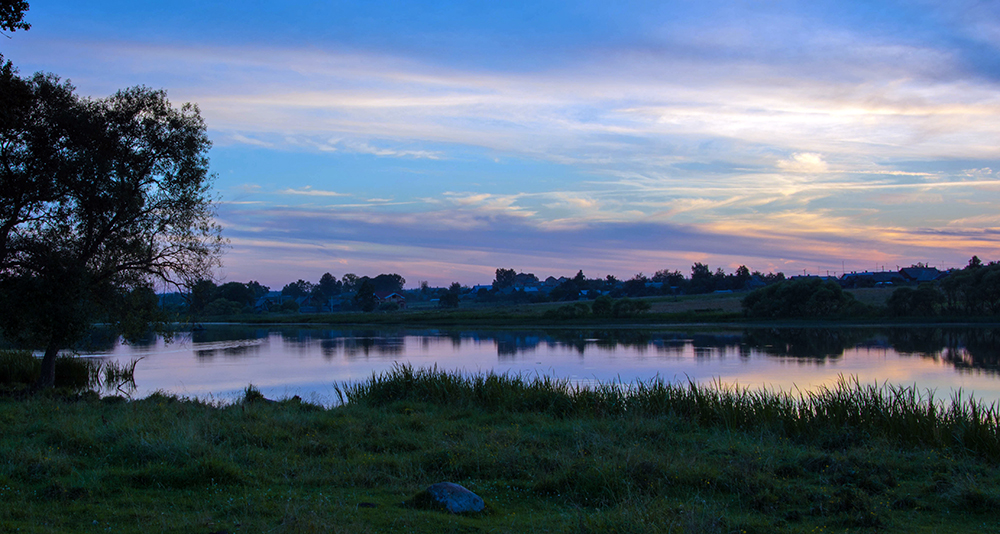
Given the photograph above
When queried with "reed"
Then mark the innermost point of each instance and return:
(843, 411)
(547, 455)
(20, 368)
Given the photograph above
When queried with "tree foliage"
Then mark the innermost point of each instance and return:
(392, 283)
(365, 298)
(504, 278)
(450, 298)
(800, 298)
(297, 289)
(922, 301)
(328, 285)
(974, 290)
(99, 200)
(12, 15)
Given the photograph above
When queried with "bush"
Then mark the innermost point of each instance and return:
(448, 300)
(223, 307)
(629, 308)
(801, 298)
(569, 311)
(922, 301)
(602, 306)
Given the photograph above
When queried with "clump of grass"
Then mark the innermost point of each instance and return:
(20, 368)
(253, 395)
(846, 409)
(119, 376)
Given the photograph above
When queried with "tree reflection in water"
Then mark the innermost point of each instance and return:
(966, 348)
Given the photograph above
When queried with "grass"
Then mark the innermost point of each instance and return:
(546, 456)
(19, 369)
(849, 408)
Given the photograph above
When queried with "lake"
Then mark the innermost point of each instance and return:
(219, 362)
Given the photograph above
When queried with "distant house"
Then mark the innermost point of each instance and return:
(921, 274)
(871, 279)
(271, 300)
(525, 280)
(823, 278)
(305, 305)
(391, 296)
(334, 304)
(755, 282)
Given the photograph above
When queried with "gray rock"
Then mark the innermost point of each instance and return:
(449, 496)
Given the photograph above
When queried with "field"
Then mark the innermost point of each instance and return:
(545, 457)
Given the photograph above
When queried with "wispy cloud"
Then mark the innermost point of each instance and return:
(796, 135)
(310, 192)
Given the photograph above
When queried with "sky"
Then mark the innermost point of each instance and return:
(442, 140)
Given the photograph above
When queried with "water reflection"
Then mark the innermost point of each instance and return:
(967, 348)
(299, 359)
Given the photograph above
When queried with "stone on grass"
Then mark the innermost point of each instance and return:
(448, 496)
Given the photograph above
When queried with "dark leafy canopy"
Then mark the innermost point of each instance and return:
(504, 278)
(99, 199)
(365, 298)
(388, 282)
(801, 298)
(12, 15)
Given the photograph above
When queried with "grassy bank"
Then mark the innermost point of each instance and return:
(546, 457)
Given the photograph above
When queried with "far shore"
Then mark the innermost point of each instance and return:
(687, 311)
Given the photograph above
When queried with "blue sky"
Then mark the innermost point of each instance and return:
(443, 140)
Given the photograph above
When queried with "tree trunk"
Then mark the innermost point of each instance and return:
(48, 377)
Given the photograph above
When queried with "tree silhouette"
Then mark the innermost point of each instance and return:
(99, 199)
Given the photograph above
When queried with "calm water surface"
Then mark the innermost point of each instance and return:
(220, 361)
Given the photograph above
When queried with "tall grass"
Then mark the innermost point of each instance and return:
(848, 410)
(20, 368)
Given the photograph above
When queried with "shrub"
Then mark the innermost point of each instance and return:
(801, 298)
(602, 306)
(223, 307)
(922, 301)
(569, 311)
(629, 308)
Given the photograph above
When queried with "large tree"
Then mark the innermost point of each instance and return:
(99, 200)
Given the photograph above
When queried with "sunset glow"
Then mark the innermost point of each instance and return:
(441, 141)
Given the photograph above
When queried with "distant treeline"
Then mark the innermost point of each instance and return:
(360, 293)
(973, 291)
(207, 298)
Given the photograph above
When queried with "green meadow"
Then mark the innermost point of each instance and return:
(547, 456)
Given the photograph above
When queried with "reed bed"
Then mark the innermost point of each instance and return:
(546, 455)
(849, 410)
(20, 368)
